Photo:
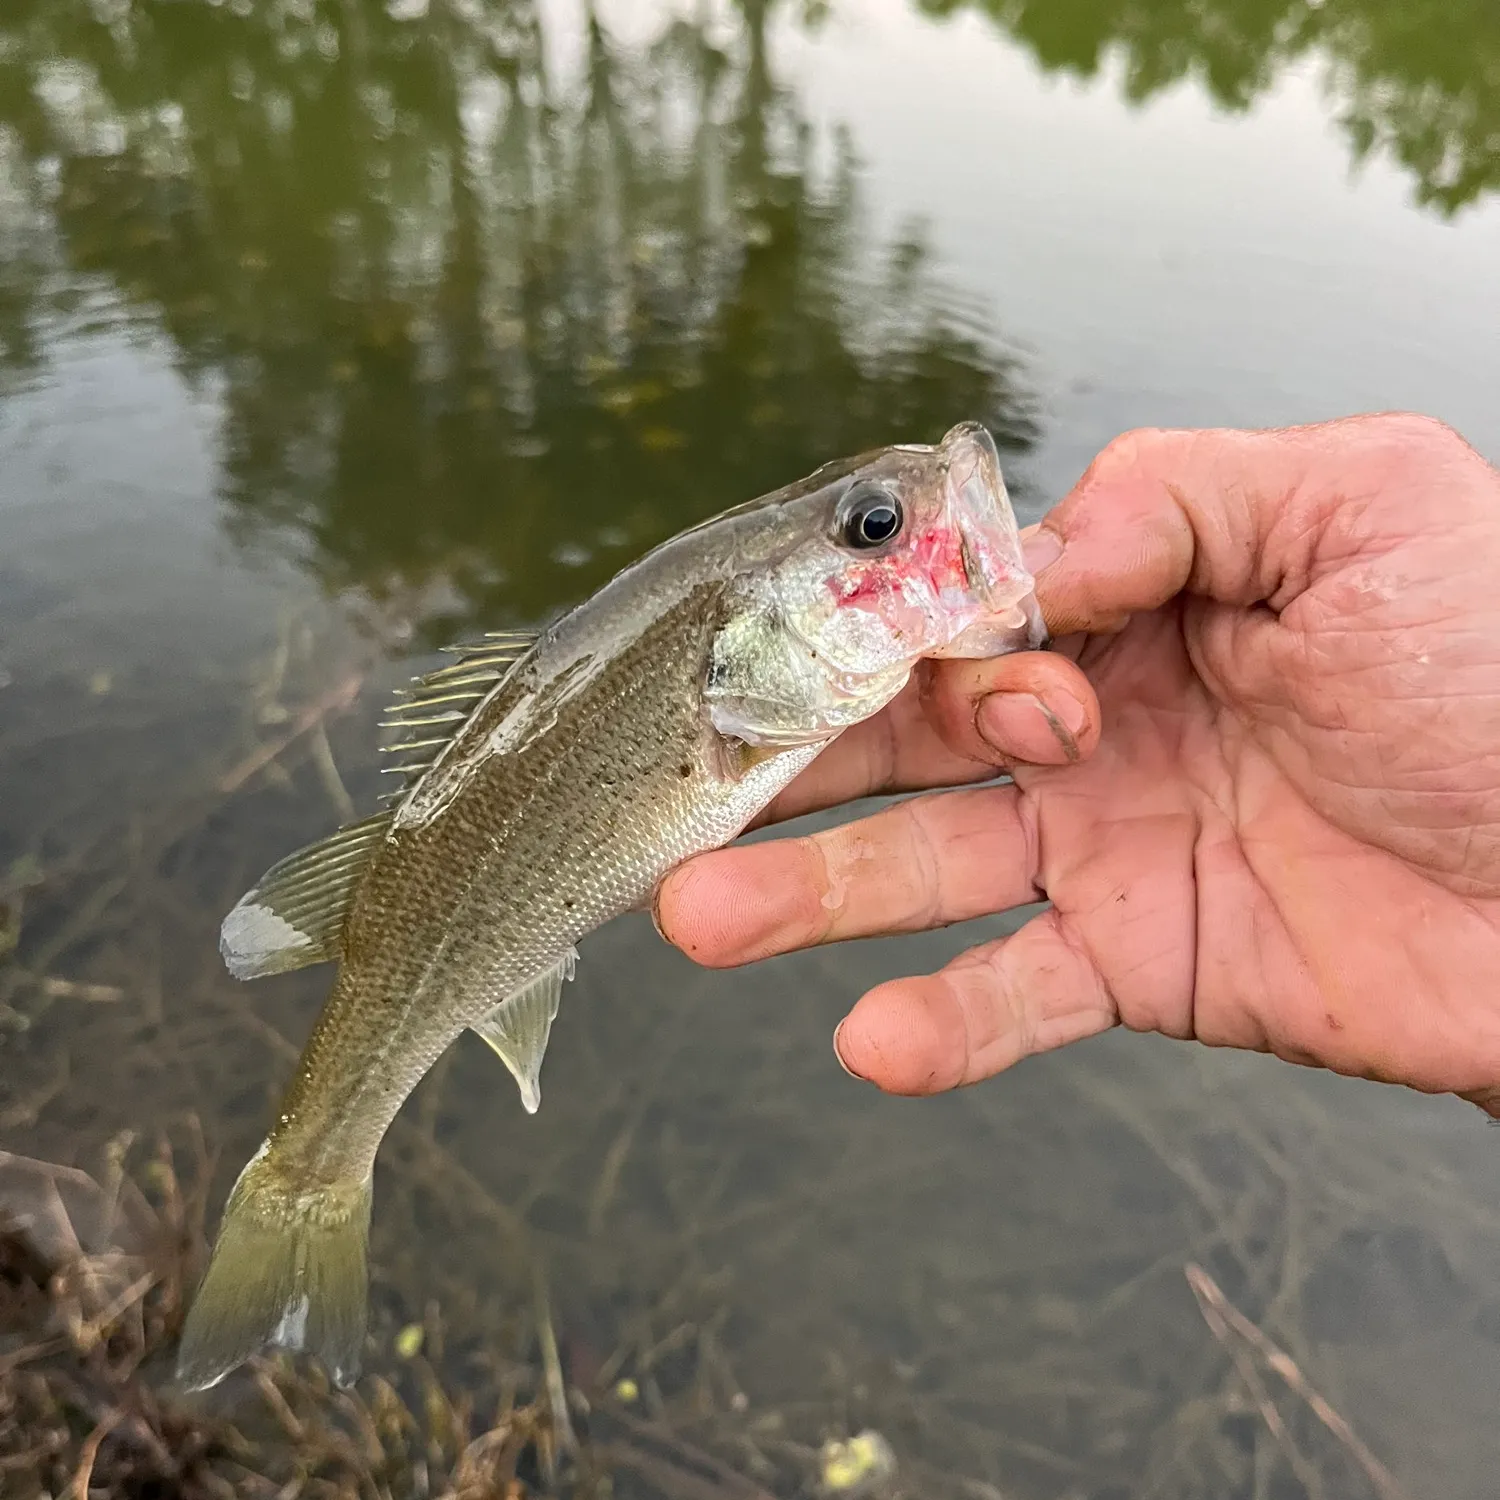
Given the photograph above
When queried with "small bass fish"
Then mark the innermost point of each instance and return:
(555, 781)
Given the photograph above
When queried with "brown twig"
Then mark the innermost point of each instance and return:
(1222, 1316)
(79, 1489)
(334, 701)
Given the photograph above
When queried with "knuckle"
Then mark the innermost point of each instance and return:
(1416, 427)
(993, 1012)
(1125, 453)
(813, 878)
(923, 863)
(1412, 444)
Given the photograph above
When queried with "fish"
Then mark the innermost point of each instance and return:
(548, 783)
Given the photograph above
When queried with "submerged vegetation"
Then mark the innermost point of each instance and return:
(93, 1278)
(704, 1274)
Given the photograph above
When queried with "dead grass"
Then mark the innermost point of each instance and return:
(94, 1279)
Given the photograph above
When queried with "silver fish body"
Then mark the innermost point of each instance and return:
(651, 723)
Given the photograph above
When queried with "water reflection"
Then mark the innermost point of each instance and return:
(1417, 80)
(484, 325)
(481, 336)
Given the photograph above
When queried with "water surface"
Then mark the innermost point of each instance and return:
(330, 333)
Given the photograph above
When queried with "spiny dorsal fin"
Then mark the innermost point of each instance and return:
(294, 914)
(518, 1028)
(429, 713)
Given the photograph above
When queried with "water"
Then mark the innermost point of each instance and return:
(329, 333)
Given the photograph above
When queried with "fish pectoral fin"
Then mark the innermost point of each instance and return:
(736, 758)
(518, 1028)
(295, 913)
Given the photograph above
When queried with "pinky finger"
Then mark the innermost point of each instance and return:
(986, 1010)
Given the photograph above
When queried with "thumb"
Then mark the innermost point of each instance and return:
(1241, 517)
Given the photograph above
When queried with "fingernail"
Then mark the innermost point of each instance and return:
(1040, 549)
(656, 913)
(1065, 718)
(1024, 727)
(1068, 709)
(838, 1051)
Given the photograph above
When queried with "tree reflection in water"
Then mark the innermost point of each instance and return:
(1417, 80)
(480, 338)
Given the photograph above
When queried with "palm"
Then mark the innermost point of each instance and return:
(1229, 883)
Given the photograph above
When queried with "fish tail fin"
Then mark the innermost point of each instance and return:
(288, 1269)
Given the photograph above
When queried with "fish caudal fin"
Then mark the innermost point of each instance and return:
(288, 1269)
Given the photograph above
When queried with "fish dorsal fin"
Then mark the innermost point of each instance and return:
(294, 914)
(429, 714)
(518, 1028)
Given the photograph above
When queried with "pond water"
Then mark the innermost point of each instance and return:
(333, 332)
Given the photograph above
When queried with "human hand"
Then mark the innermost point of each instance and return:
(1258, 779)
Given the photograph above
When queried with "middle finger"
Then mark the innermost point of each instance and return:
(920, 864)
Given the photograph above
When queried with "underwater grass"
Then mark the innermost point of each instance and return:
(620, 1254)
(94, 1276)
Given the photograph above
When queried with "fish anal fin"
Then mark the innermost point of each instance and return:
(518, 1028)
(295, 913)
(428, 715)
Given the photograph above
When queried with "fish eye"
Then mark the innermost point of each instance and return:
(870, 516)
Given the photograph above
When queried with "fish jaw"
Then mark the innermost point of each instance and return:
(993, 604)
(1020, 628)
(826, 636)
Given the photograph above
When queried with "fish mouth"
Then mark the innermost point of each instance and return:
(980, 509)
(999, 602)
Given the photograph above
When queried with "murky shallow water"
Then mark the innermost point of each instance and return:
(329, 334)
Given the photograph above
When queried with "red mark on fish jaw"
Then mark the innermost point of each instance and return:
(882, 585)
(936, 556)
(862, 587)
(940, 555)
